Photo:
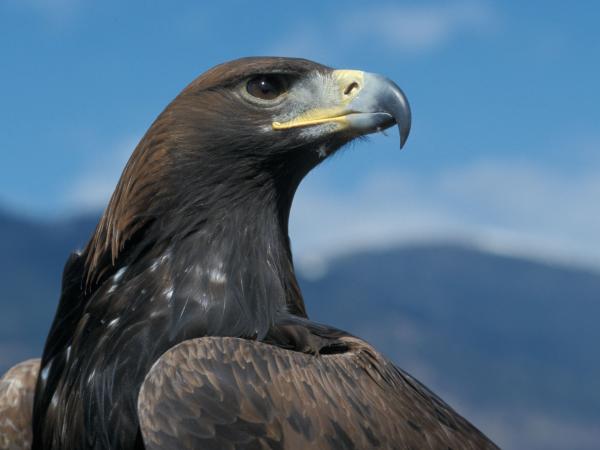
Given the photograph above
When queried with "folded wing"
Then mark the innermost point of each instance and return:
(231, 393)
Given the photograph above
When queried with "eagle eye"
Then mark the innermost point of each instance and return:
(266, 87)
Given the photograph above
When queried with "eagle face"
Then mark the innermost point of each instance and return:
(262, 109)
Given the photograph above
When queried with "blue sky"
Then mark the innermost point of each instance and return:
(505, 146)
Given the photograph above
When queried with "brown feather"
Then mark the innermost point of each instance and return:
(17, 388)
(230, 393)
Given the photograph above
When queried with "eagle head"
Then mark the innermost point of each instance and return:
(269, 107)
(245, 131)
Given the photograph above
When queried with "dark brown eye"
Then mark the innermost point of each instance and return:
(266, 87)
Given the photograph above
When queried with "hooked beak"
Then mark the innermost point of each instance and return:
(362, 103)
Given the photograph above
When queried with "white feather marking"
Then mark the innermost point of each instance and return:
(120, 273)
(217, 276)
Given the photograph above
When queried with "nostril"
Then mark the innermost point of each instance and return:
(351, 88)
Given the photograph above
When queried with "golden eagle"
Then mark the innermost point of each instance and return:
(181, 324)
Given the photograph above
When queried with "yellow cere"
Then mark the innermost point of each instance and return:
(349, 83)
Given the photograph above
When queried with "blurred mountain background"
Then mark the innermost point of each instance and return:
(509, 342)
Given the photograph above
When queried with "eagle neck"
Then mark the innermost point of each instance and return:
(226, 221)
(234, 252)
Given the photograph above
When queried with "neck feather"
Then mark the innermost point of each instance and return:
(224, 237)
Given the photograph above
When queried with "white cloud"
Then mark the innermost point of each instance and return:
(506, 207)
(416, 28)
(420, 28)
(56, 11)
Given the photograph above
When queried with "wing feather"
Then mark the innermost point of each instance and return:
(17, 388)
(231, 393)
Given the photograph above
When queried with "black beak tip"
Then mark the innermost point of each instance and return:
(403, 137)
(404, 130)
(401, 112)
